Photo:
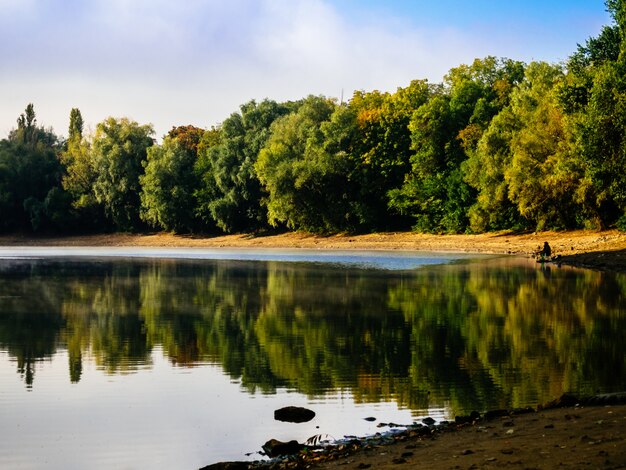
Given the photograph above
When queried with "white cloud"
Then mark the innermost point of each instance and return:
(194, 62)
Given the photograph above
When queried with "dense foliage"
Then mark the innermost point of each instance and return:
(498, 145)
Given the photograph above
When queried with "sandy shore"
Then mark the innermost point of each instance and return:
(574, 438)
(599, 250)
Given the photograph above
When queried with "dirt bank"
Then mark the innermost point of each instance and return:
(601, 250)
(576, 438)
(584, 437)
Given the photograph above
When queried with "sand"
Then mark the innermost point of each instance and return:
(594, 249)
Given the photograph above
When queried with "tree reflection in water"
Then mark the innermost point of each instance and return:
(485, 334)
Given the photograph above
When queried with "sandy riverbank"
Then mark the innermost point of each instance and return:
(600, 250)
(575, 437)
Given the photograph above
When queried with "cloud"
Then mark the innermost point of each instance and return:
(195, 62)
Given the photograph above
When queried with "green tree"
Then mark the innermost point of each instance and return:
(119, 149)
(230, 193)
(76, 124)
(595, 98)
(80, 175)
(444, 131)
(372, 131)
(169, 183)
(543, 176)
(29, 170)
(307, 185)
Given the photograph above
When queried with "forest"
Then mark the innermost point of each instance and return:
(498, 145)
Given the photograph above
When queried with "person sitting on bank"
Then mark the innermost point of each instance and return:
(546, 252)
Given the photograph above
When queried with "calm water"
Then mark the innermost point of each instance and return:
(122, 360)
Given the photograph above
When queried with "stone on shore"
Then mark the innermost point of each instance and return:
(276, 448)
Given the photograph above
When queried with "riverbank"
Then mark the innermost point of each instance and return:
(573, 437)
(592, 249)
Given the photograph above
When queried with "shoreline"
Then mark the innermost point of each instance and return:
(565, 433)
(603, 250)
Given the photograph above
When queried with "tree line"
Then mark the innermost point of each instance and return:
(499, 144)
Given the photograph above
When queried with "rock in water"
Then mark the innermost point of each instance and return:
(275, 448)
(294, 414)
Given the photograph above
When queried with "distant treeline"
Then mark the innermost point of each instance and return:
(498, 145)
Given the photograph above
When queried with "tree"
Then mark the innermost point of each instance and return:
(444, 132)
(230, 193)
(29, 171)
(378, 145)
(76, 124)
(307, 186)
(543, 175)
(169, 182)
(595, 98)
(119, 149)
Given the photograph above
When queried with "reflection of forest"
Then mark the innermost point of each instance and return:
(468, 335)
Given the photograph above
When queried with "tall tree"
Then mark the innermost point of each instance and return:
(543, 174)
(445, 130)
(596, 99)
(378, 144)
(230, 193)
(308, 186)
(76, 124)
(119, 150)
(29, 171)
(79, 179)
(169, 182)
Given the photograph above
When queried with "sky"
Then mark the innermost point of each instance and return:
(179, 62)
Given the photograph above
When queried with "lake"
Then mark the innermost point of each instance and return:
(177, 358)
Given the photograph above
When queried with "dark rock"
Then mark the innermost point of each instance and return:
(398, 460)
(294, 414)
(275, 448)
(467, 452)
(364, 465)
(564, 401)
(523, 411)
(467, 419)
(508, 424)
(227, 466)
(606, 399)
(428, 421)
(370, 418)
(489, 415)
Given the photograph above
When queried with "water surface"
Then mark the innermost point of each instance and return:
(123, 360)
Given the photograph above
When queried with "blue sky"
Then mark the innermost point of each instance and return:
(175, 62)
